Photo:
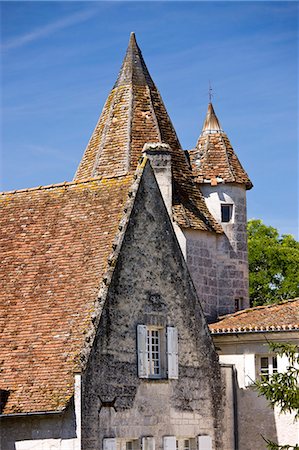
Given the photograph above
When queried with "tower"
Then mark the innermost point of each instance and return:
(224, 182)
(134, 122)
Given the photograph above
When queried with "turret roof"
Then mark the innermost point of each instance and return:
(213, 159)
(133, 115)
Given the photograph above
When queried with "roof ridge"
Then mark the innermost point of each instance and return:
(61, 184)
(255, 308)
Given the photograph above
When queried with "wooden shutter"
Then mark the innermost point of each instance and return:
(109, 444)
(172, 353)
(249, 369)
(148, 443)
(142, 351)
(204, 443)
(169, 443)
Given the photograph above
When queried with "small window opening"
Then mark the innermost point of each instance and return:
(238, 304)
(153, 351)
(226, 212)
(268, 366)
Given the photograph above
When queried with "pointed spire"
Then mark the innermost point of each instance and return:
(211, 123)
(133, 69)
(134, 114)
(213, 160)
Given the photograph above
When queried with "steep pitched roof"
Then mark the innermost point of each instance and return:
(277, 317)
(133, 115)
(56, 247)
(213, 159)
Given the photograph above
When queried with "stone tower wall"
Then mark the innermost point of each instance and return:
(219, 263)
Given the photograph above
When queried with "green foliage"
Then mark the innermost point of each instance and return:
(273, 446)
(273, 264)
(282, 389)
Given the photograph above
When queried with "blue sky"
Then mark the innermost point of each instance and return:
(60, 60)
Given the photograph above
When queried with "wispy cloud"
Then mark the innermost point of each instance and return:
(49, 29)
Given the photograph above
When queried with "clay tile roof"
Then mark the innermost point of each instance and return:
(214, 158)
(55, 249)
(133, 115)
(283, 316)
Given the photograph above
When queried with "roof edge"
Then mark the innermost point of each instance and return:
(61, 184)
(112, 259)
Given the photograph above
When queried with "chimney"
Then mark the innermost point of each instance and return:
(159, 155)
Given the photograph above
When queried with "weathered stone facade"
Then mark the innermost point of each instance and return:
(219, 263)
(152, 291)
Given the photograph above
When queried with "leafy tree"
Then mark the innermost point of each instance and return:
(282, 389)
(273, 264)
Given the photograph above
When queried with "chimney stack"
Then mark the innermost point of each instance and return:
(159, 155)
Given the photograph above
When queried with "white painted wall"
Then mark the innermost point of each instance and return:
(255, 417)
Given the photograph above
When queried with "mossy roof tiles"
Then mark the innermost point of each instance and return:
(213, 159)
(133, 115)
(55, 245)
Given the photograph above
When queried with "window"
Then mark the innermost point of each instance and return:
(238, 304)
(153, 353)
(123, 444)
(226, 212)
(187, 443)
(267, 366)
(157, 349)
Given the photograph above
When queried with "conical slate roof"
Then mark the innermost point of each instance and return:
(213, 159)
(134, 114)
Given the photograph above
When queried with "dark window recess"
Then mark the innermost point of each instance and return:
(226, 212)
(238, 304)
(3, 399)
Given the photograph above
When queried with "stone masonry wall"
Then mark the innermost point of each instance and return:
(151, 286)
(219, 264)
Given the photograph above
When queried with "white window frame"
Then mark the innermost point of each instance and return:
(153, 343)
(157, 348)
(272, 366)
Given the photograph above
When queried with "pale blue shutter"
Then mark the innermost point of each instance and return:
(204, 443)
(169, 443)
(172, 353)
(109, 444)
(142, 351)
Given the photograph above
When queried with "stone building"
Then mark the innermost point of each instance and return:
(109, 283)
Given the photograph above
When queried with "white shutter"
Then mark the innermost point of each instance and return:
(172, 353)
(148, 443)
(204, 443)
(142, 351)
(169, 443)
(282, 363)
(109, 444)
(249, 369)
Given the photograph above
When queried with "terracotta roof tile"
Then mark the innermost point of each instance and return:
(283, 316)
(55, 246)
(133, 115)
(214, 158)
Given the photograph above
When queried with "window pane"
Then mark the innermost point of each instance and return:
(226, 212)
(153, 349)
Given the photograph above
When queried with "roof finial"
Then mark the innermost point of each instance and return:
(210, 92)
